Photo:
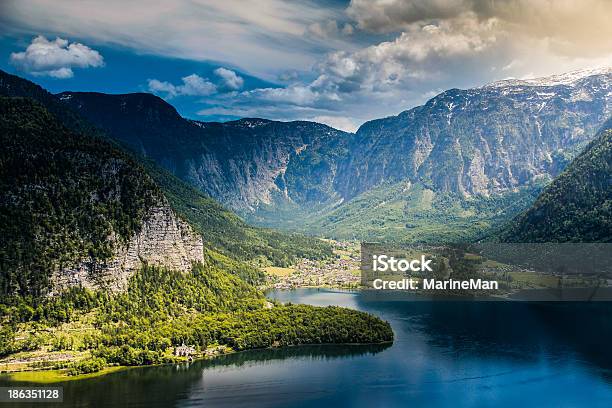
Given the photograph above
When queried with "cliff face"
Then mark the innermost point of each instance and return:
(163, 240)
(481, 141)
(240, 163)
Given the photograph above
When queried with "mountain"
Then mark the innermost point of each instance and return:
(241, 163)
(490, 148)
(221, 229)
(577, 205)
(76, 211)
(481, 141)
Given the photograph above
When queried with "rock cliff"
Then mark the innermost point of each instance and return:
(164, 240)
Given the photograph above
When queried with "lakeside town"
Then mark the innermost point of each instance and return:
(342, 271)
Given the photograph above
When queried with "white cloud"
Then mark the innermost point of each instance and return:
(230, 80)
(55, 58)
(373, 58)
(193, 85)
(414, 56)
(295, 94)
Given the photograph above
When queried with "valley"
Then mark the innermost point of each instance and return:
(306, 204)
(108, 260)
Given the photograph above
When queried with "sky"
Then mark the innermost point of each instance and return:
(336, 62)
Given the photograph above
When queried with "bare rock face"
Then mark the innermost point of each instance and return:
(164, 240)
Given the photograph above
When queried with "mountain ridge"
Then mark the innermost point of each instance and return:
(475, 144)
(243, 247)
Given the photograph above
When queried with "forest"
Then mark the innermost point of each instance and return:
(162, 309)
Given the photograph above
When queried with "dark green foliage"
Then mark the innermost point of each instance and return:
(577, 205)
(49, 310)
(7, 340)
(14, 86)
(87, 366)
(159, 294)
(292, 325)
(208, 306)
(63, 194)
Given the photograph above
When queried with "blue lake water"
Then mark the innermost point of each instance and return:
(445, 354)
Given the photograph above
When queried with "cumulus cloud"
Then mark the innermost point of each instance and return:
(412, 57)
(329, 29)
(293, 102)
(369, 59)
(55, 58)
(295, 94)
(229, 79)
(192, 85)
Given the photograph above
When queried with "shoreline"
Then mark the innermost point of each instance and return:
(53, 376)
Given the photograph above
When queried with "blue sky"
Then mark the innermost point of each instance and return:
(336, 62)
(125, 71)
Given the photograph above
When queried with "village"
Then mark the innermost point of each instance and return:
(342, 271)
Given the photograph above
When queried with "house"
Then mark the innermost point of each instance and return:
(184, 351)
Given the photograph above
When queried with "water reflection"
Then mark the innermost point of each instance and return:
(319, 352)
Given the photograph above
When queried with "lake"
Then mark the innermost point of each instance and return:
(445, 354)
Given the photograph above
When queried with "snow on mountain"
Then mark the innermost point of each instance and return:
(568, 78)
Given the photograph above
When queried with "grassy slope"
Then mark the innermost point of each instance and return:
(414, 213)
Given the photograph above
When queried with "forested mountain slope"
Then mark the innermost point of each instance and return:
(75, 210)
(98, 264)
(577, 205)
